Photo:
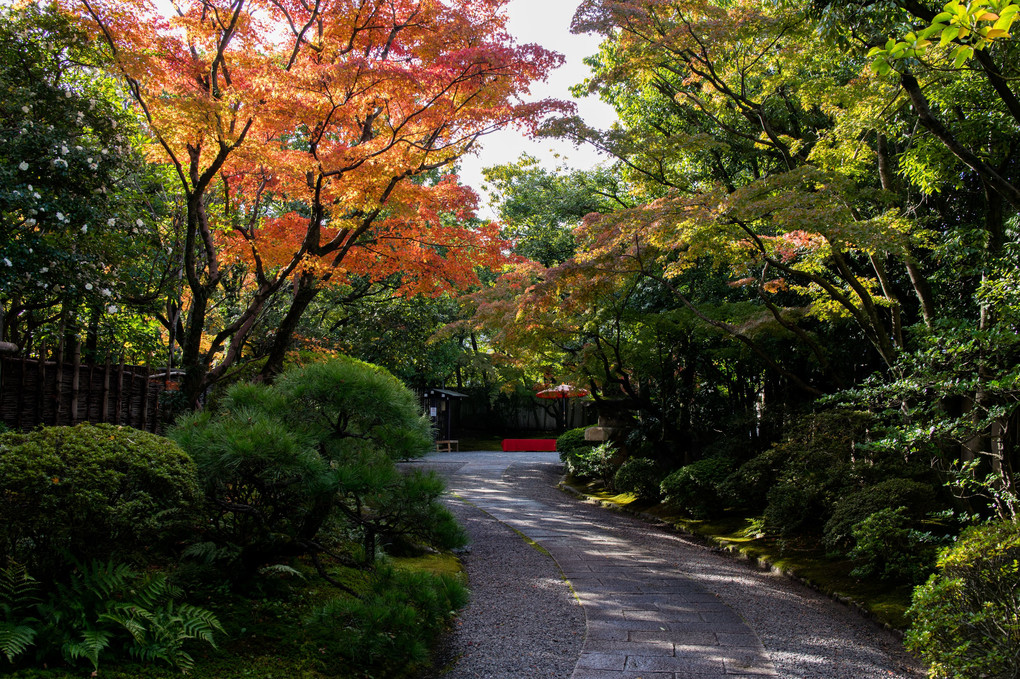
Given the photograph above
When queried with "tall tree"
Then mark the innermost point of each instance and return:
(294, 129)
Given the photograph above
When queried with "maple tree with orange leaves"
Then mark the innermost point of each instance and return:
(302, 135)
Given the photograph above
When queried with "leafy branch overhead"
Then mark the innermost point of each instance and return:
(964, 28)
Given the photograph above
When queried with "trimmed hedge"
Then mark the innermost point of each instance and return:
(92, 492)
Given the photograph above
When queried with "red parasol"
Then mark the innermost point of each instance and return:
(562, 392)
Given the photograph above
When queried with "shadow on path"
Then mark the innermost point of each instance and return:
(655, 605)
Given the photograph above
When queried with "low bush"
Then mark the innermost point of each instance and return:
(966, 618)
(695, 488)
(595, 464)
(387, 632)
(92, 492)
(639, 476)
(887, 546)
(571, 443)
(917, 500)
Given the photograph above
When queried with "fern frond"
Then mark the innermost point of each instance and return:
(281, 569)
(15, 639)
(18, 589)
(91, 645)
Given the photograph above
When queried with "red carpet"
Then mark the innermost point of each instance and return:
(530, 445)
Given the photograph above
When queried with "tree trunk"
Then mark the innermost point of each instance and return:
(305, 291)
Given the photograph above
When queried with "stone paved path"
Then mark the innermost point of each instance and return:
(649, 615)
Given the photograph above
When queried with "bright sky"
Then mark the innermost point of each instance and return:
(546, 22)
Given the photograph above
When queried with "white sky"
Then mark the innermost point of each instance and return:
(546, 22)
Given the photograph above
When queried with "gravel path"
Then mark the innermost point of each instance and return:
(524, 621)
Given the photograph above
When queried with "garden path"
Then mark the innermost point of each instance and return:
(655, 605)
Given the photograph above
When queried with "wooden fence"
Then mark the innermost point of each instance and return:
(59, 392)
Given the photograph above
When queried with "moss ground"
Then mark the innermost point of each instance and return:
(809, 563)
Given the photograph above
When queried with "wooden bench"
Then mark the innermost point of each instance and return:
(447, 446)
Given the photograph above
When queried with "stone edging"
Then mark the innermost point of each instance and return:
(731, 551)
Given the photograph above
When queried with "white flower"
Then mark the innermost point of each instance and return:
(65, 150)
(7, 262)
(88, 286)
(36, 195)
(45, 269)
(60, 216)
(111, 221)
(112, 309)
(30, 188)
(67, 94)
(59, 162)
(25, 109)
(22, 166)
(84, 228)
(139, 222)
(29, 222)
(106, 292)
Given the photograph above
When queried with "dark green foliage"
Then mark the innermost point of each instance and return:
(102, 610)
(966, 618)
(639, 476)
(571, 442)
(695, 488)
(91, 491)
(888, 547)
(581, 460)
(595, 464)
(387, 633)
(281, 464)
(795, 483)
(917, 500)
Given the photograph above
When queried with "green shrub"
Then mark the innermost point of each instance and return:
(386, 633)
(917, 499)
(639, 476)
(279, 464)
(91, 492)
(695, 488)
(571, 443)
(794, 508)
(888, 547)
(598, 463)
(795, 483)
(966, 618)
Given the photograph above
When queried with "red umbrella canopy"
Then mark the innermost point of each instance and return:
(562, 391)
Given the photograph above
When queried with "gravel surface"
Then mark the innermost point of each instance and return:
(524, 622)
(523, 619)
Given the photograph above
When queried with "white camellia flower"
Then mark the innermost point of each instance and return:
(139, 222)
(7, 262)
(64, 150)
(111, 221)
(60, 216)
(22, 166)
(112, 309)
(88, 286)
(84, 228)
